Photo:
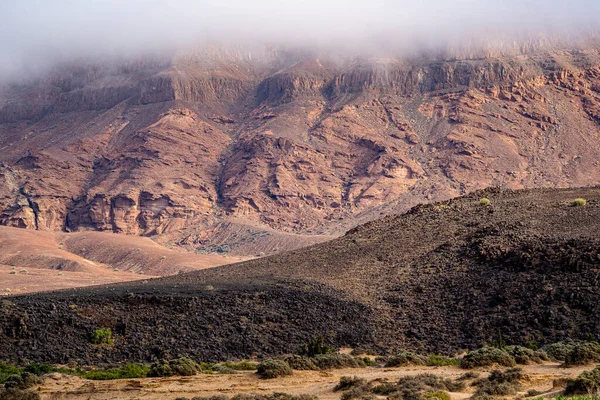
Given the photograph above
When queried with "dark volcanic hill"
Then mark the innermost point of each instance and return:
(442, 277)
(219, 149)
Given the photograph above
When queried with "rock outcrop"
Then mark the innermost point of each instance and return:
(293, 142)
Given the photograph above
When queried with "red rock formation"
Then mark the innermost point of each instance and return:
(290, 142)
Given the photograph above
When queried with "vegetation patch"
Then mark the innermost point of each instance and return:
(579, 202)
(301, 363)
(181, 367)
(102, 336)
(499, 383)
(588, 383)
(406, 358)
(582, 354)
(337, 361)
(270, 369)
(525, 356)
(316, 347)
(559, 351)
(487, 356)
(347, 382)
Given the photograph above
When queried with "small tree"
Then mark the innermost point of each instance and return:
(102, 336)
(315, 347)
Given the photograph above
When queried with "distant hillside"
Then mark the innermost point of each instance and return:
(442, 277)
(189, 150)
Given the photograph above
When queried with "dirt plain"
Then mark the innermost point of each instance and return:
(317, 383)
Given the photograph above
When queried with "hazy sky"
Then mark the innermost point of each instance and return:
(37, 33)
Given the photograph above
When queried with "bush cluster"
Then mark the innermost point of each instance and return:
(24, 380)
(525, 356)
(255, 396)
(181, 366)
(582, 354)
(102, 336)
(487, 356)
(588, 382)
(499, 383)
(347, 382)
(558, 351)
(270, 369)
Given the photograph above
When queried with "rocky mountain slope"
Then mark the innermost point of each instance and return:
(220, 148)
(441, 278)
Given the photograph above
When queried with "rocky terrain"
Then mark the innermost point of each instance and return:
(440, 278)
(246, 151)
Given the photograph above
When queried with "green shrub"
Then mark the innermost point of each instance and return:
(270, 369)
(129, 371)
(485, 202)
(301, 363)
(588, 382)
(487, 356)
(241, 366)
(359, 392)
(436, 360)
(347, 382)
(316, 347)
(7, 371)
(500, 383)
(579, 202)
(181, 367)
(558, 351)
(468, 376)
(525, 356)
(102, 336)
(337, 361)
(18, 394)
(583, 353)
(406, 358)
(24, 380)
(437, 395)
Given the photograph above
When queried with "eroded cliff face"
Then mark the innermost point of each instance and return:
(292, 143)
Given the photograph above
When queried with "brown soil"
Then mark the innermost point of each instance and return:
(87, 258)
(320, 384)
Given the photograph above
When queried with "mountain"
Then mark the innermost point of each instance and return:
(442, 277)
(244, 151)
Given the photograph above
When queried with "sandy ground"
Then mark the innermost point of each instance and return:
(37, 279)
(319, 383)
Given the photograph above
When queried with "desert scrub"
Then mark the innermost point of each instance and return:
(588, 382)
(24, 380)
(582, 354)
(8, 370)
(525, 356)
(255, 396)
(337, 361)
(436, 360)
(437, 395)
(558, 351)
(487, 356)
(347, 382)
(128, 371)
(316, 347)
(181, 367)
(18, 394)
(578, 202)
(102, 336)
(270, 369)
(301, 363)
(499, 383)
(485, 202)
(241, 366)
(406, 358)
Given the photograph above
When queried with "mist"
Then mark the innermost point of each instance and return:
(37, 34)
